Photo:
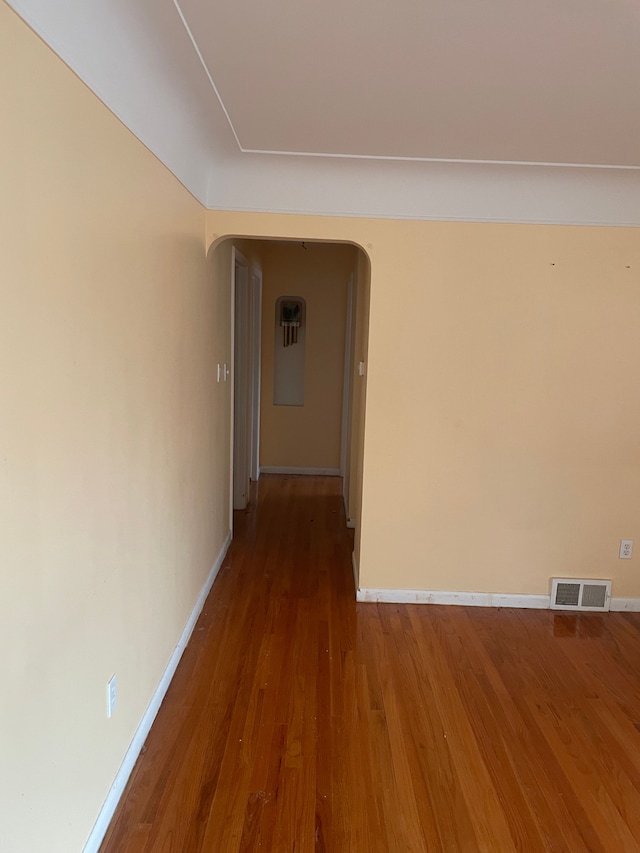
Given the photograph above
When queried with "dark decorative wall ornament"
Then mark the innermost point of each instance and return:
(290, 320)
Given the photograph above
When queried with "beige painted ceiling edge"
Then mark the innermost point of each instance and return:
(195, 108)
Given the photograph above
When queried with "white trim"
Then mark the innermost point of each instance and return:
(625, 605)
(131, 756)
(395, 158)
(466, 599)
(280, 469)
(475, 599)
(206, 71)
(356, 573)
(255, 338)
(240, 451)
(351, 523)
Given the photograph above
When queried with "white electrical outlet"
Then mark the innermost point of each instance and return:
(112, 695)
(626, 549)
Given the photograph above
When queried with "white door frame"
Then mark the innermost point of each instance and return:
(255, 307)
(240, 378)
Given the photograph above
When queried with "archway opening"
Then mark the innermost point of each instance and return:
(319, 427)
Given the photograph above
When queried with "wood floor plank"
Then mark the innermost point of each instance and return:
(487, 816)
(301, 722)
(560, 730)
(534, 780)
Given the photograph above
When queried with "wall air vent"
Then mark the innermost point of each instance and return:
(580, 594)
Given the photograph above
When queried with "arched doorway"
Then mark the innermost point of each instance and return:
(329, 436)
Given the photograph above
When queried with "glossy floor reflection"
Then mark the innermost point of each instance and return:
(300, 721)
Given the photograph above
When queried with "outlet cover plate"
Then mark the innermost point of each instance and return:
(626, 549)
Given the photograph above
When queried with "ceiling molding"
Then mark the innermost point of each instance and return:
(425, 218)
(431, 191)
(207, 72)
(390, 157)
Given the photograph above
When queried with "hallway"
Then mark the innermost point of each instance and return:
(300, 721)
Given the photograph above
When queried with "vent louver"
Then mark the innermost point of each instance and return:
(580, 594)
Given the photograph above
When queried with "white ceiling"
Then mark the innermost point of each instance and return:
(550, 81)
(412, 108)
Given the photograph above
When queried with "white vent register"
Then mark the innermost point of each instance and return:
(580, 594)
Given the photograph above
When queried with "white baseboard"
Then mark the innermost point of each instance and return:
(475, 599)
(131, 756)
(278, 469)
(628, 605)
(466, 599)
(351, 523)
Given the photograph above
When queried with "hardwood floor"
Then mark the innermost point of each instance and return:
(300, 721)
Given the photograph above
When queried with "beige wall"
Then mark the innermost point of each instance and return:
(306, 436)
(358, 397)
(502, 400)
(113, 439)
